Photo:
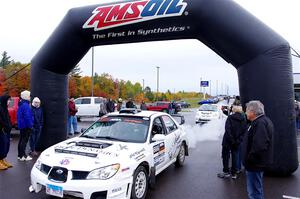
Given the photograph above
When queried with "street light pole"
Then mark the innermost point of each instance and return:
(92, 71)
(143, 85)
(157, 67)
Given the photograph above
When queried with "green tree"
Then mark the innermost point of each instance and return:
(149, 94)
(5, 60)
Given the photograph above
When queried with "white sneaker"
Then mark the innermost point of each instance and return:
(28, 158)
(22, 159)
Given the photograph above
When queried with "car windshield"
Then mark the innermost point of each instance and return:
(125, 129)
(207, 107)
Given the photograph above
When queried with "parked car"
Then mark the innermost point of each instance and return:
(162, 106)
(208, 112)
(209, 101)
(183, 104)
(88, 106)
(13, 105)
(116, 157)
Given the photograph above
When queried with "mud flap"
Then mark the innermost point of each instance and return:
(152, 178)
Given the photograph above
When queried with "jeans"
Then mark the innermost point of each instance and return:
(226, 151)
(24, 137)
(239, 158)
(34, 137)
(255, 185)
(72, 124)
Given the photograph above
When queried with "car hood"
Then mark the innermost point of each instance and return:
(87, 154)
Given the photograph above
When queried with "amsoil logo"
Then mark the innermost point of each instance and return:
(110, 16)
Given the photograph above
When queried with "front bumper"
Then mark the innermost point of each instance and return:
(113, 189)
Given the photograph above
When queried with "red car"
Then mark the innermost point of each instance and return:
(162, 106)
(12, 110)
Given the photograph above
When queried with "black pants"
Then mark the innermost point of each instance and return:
(226, 152)
(24, 137)
(4, 143)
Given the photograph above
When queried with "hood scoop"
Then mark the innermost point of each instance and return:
(96, 145)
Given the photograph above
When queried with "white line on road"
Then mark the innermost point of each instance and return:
(290, 197)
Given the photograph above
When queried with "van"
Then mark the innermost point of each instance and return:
(88, 106)
(13, 105)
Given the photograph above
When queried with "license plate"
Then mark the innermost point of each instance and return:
(54, 190)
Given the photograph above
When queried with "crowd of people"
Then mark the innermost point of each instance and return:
(248, 140)
(30, 124)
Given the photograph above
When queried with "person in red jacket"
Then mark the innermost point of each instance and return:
(72, 120)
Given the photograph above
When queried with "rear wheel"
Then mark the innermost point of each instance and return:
(140, 183)
(181, 156)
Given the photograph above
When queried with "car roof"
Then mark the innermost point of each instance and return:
(138, 114)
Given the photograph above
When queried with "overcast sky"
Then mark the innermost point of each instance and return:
(26, 25)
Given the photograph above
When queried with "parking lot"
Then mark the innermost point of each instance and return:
(197, 179)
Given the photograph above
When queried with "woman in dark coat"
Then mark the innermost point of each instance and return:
(5, 127)
(235, 128)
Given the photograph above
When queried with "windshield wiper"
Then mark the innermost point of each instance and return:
(88, 136)
(111, 138)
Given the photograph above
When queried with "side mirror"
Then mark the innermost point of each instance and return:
(158, 137)
(179, 118)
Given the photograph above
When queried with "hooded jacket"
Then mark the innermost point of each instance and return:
(235, 128)
(257, 148)
(5, 123)
(25, 118)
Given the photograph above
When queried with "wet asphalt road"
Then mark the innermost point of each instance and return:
(197, 179)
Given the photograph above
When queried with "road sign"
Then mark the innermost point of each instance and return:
(204, 83)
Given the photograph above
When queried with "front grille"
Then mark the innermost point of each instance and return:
(58, 174)
(79, 175)
(45, 169)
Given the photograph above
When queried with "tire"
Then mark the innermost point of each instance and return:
(140, 183)
(181, 156)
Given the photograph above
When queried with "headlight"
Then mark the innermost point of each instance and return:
(104, 173)
(38, 164)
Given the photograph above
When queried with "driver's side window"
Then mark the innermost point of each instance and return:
(157, 127)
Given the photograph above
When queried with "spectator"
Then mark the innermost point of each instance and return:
(5, 128)
(143, 105)
(119, 106)
(235, 128)
(25, 124)
(236, 102)
(72, 120)
(171, 108)
(102, 110)
(38, 122)
(110, 106)
(257, 149)
(130, 103)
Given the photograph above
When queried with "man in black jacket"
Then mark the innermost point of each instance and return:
(235, 128)
(257, 148)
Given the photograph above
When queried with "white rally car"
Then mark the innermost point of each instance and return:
(117, 157)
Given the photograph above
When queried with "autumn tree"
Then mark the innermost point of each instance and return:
(74, 81)
(19, 78)
(2, 79)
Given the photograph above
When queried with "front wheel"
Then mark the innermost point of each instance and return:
(140, 183)
(181, 156)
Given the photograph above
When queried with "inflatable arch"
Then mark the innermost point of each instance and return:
(261, 57)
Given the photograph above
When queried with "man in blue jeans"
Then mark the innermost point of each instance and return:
(257, 148)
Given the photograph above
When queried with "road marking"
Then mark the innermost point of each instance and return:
(290, 197)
